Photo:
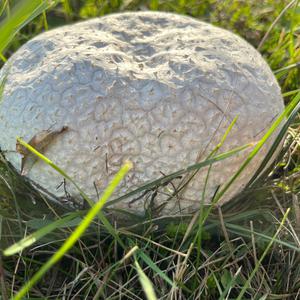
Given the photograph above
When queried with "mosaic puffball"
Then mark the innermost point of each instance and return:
(156, 88)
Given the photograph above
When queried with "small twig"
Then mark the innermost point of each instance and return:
(96, 189)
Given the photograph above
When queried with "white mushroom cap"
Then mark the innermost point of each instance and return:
(157, 88)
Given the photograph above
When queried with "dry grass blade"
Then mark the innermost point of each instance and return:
(247, 284)
(69, 243)
(197, 166)
(297, 214)
(146, 283)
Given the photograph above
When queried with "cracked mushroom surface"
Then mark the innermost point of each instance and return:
(157, 88)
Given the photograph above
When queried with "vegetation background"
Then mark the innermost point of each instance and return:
(249, 249)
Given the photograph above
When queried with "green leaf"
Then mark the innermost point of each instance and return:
(226, 278)
(228, 282)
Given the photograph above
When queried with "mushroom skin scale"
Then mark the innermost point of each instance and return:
(156, 88)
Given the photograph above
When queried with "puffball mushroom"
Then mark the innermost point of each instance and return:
(156, 88)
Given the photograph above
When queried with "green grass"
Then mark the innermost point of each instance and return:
(248, 249)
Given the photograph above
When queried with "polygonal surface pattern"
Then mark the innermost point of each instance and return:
(156, 88)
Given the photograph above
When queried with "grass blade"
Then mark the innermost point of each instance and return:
(77, 233)
(198, 236)
(278, 139)
(246, 285)
(239, 230)
(112, 270)
(154, 267)
(101, 216)
(193, 167)
(145, 282)
(21, 14)
(34, 237)
(55, 167)
(293, 104)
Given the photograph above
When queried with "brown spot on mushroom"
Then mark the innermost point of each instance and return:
(40, 142)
